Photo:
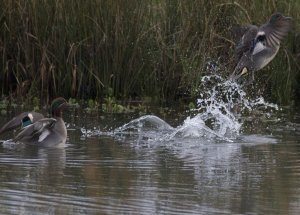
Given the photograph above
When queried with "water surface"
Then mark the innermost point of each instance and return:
(208, 161)
(257, 173)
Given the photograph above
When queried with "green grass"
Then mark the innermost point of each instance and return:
(131, 49)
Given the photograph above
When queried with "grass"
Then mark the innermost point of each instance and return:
(132, 49)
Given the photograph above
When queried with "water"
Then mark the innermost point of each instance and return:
(231, 155)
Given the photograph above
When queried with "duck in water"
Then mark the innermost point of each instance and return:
(40, 131)
(46, 132)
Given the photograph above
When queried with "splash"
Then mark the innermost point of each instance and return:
(220, 105)
(148, 127)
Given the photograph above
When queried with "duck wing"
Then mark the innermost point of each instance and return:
(36, 131)
(274, 33)
(16, 122)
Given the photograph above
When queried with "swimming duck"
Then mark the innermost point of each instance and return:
(47, 132)
(258, 46)
(21, 121)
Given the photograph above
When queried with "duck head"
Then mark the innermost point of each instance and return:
(58, 106)
(280, 23)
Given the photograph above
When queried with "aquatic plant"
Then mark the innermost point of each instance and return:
(159, 49)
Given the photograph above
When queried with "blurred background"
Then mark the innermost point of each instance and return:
(154, 50)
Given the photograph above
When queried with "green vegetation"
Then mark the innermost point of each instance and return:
(127, 50)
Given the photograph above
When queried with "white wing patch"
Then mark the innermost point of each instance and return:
(258, 48)
(43, 135)
(30, 117)
(260, 33)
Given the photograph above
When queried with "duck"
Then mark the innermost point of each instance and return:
(45, 132)
(20, 121)
(259, 45)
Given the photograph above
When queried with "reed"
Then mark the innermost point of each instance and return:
(131, 49)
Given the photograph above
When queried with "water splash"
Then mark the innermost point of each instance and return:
(144, 129)
(220, 105)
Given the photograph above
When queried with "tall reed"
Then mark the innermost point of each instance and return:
(134, 48)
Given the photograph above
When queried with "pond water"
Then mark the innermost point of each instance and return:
(178, 163)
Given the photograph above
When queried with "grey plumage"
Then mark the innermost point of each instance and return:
(40, 131)
(258, 46)
(46, 132)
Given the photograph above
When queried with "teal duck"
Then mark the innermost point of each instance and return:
(47, 132)
(259, 45)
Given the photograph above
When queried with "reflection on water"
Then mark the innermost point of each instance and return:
(27, 175)
(256, 173)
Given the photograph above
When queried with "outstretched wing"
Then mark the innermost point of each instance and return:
(38, 130)
(270, 35)
(16, 122)
(275, 34)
